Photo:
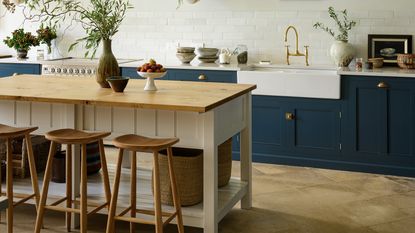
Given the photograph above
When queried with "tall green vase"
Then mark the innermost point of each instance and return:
(108, 65)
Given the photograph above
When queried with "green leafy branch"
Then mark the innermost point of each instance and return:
(344, 25)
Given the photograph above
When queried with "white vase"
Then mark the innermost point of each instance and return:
(342, 53)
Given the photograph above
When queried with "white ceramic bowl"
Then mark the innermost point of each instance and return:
(185, 57)
(207, 52)
(151, 75)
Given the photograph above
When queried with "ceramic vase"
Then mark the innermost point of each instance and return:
(342, 53)
(21, 53)
(108, 65)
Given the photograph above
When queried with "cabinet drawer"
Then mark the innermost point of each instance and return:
(203, 76)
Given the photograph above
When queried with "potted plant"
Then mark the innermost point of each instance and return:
(100, 20)
(341, 50)
(21, 41)
(46, 35)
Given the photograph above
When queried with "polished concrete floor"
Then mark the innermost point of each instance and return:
(291, 200)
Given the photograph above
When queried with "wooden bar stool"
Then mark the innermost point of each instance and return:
(8, 133)
(70, 137)
(136, 143)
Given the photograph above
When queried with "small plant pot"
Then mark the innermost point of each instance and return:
(21, 53)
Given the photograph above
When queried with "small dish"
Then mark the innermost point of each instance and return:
(185, 57)
(208, 59)
(185, 49)
(207, 52)
(118, 83)
(377, 62)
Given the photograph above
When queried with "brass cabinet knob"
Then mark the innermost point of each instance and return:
(382, 85)
(289, 116)
(202, 77)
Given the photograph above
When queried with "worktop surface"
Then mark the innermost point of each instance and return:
(382, 72)
(172, 95)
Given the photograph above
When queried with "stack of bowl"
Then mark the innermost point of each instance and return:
(185, 54)
(207, 55)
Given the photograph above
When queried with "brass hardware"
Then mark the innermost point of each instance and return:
(202, 77)
(382, 85)
(15, 74)
(289, 116)
(297, 52)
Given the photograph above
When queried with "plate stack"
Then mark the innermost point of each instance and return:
(207, 55)
(185, 54)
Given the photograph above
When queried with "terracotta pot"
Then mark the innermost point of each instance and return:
(342, 53)
(22, 53)
(108, 65)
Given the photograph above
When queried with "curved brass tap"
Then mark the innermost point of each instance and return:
(297, 52)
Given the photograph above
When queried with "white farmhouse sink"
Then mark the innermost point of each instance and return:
(293, 82)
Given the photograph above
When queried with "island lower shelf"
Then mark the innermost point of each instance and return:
(228, 195)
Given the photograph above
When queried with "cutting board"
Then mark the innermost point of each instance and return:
(5, 56)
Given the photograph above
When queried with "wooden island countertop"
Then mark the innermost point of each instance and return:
(172, 95)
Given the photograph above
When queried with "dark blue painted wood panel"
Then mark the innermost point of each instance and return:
(8, 69)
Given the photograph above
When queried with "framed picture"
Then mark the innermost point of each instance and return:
(388, 47)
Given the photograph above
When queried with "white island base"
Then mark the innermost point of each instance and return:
(202, 130)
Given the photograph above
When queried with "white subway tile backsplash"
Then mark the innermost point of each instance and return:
(156, 33)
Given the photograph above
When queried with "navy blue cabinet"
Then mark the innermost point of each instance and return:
(190, 75)
(295, 131)
(8, 69)
(379, 124)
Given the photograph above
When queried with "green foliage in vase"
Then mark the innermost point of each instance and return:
(21, 40)
(46, 35)
(100, 19)
(343, 23)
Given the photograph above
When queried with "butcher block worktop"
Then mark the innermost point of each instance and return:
(172, 95)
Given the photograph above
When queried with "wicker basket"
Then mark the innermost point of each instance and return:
(406, 61)
(188, 167)
(224, 162)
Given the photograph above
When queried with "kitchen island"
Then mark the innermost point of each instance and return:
(202, 115)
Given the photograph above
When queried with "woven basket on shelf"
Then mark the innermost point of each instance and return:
(224, 162)
(188, 167)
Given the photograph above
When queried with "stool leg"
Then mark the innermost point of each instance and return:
(157, 197)
(45, 188)
(133, 185)
(9, 186)
(105, 172)
(175, 191)
(68, 215)
(32, 167)
(84, 204)
(114, 197)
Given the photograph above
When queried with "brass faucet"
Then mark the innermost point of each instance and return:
(297, 52)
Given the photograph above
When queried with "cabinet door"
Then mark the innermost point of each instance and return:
(366, 114)
(313, 127)
(267, 125)
(7, 69)
(400, 121)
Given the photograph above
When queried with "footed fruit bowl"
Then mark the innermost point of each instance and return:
(150, 71)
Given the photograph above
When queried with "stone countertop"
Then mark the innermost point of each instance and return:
(382, 72)
(192, 66)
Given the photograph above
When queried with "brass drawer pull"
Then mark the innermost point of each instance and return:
(202, 77)
(382, 85)
(289, 116)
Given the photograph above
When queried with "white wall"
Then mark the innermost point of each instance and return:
(154, 30)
